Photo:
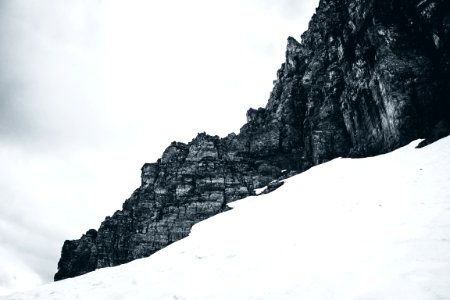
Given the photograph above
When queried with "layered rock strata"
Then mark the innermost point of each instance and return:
(368, 76)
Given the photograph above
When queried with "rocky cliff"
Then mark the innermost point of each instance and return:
(368, 76)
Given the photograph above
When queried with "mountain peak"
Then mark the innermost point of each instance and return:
(368, 77)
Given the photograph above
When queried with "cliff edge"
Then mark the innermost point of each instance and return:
(368, 77)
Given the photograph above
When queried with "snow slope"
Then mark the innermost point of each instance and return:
(367, 229)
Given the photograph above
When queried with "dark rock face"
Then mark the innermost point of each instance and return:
(369, 76)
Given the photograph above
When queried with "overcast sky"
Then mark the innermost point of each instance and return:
(90, 90)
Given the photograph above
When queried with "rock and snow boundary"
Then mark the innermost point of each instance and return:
(366, 229)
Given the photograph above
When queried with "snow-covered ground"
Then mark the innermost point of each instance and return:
(367, 229)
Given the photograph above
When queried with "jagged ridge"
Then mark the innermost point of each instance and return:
(369, 76)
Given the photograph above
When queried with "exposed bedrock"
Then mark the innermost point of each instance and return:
(368, 76)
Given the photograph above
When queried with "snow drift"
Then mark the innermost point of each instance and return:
(373, 228)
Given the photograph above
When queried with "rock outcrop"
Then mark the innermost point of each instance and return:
(368, 76)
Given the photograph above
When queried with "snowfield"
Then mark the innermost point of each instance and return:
(368, 229)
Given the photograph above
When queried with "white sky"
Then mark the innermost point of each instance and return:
(90, 90)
